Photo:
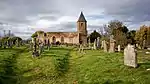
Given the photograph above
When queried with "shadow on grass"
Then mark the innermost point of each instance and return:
(8, 74)
(117, 82)
(145, 65)
(8, 69)
(58, 48)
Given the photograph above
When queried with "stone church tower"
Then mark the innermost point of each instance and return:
(82, 29)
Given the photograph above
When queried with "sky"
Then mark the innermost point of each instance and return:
(24, 17)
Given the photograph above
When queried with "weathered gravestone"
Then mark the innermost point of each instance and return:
(35, 53)
(0, 44)
(48, 45)
(144, 44)
(17, 42)
(9, 44)
(41, 48)
(31, 45)
(119, 48)
(98, 42)
(112, 45)
(81, 48)
(102, 44)
(94, 45)
(105, 46)
(4, 44)
(130, 56)
(89, 43)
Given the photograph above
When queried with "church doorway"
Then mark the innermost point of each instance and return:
(54, 39)
(62, 39)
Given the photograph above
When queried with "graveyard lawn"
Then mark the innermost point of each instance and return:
(67, 66)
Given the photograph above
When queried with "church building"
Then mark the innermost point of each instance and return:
(78, 37)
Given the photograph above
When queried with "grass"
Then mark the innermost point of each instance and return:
(62, 65)
(8, 68)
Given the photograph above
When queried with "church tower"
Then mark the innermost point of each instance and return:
(82, 29)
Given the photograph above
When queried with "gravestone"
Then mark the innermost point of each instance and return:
(144, 44)
(102, 44)
(94, 45)
(80, 48)
(35, 53)
(98, 42)
(89, 43)
(41, 48)
(4, 44)
(0, 44)
(119, 48)
(17, 42)
(130, 56)
(11, 44)
(31, 45)
(147, 53)
(105, 46)
(112, 44)
(8, 44)
(48, 45)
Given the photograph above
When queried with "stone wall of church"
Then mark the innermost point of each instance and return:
(73, 40)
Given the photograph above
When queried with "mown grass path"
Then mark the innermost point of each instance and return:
(8, 68)
(61, 65)
(47, 69)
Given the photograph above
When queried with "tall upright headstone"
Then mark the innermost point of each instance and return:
(17, 42)
(98, 42)
(119, 48)
(48, 45)
(105, 46)
(112, 44)
(102, 44)
(94, 46)
(41, 48)
(89, 43)
(144, 44)
(35, 53)
(31, 45)
(130, 56)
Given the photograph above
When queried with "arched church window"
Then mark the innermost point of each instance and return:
(54, 39)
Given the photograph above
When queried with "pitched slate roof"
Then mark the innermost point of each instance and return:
(81, 18)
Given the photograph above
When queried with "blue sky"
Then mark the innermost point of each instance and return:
(24, 17)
